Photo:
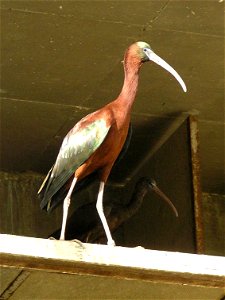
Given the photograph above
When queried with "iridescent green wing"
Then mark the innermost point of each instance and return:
(78, 145)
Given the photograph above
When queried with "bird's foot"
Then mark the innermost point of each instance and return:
(78, 242)
(54, 239)
(111, 243)
(139, 247)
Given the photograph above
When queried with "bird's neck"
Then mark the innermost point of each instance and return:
(132, 206)
(130, 85)
(134, 203)
(136, 200)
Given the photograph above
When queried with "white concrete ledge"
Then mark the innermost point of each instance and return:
(131, 263)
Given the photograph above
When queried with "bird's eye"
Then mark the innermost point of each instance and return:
(145, 50)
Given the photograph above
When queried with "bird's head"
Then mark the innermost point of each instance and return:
(144, 53)
(141, 51)
(151, 185)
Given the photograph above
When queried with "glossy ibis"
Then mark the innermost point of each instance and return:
(94, 143)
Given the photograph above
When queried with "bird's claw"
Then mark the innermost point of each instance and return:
(52, 238)
(78, 242)
(139, 247)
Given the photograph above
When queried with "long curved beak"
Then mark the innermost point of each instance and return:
(164, 197)
(159, 61)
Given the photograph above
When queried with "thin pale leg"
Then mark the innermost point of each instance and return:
(99, 206)
(66, 205)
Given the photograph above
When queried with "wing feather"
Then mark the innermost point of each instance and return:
(78, 145)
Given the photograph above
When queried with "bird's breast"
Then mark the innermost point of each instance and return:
(103, 158)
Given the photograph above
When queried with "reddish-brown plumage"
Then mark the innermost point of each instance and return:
(117, 115)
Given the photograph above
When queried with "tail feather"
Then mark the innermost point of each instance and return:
(45, 181)
(50, 203)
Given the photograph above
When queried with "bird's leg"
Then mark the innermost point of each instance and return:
(66, 205)
(99, 206)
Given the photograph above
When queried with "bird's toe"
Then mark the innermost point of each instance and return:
(52, 238)
(78, 242)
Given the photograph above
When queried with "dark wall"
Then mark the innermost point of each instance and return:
(154, 226)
